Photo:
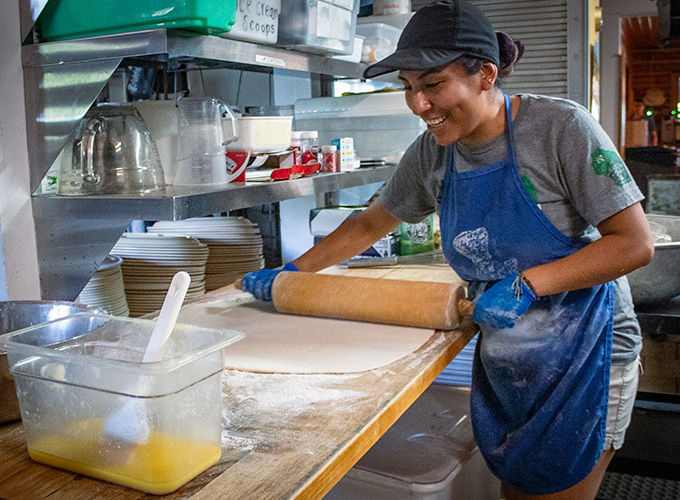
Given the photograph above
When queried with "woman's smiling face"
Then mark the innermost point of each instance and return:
(451, 102)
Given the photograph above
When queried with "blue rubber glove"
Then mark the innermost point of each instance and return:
(259, 283)
(502, 304)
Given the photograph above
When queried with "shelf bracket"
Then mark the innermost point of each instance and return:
(71, 249)
(29, 10)
(59, 97)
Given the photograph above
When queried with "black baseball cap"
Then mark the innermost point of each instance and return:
(439, 33)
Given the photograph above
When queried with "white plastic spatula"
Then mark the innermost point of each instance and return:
(129, 423)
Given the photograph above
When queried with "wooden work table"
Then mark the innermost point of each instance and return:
(284, 436)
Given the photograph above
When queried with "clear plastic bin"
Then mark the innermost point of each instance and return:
(65, 19)
(380, 40)
(318, 26)
(77, 376)
(397, 20)
(256, 22)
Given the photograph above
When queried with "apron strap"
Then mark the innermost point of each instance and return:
(511, 147)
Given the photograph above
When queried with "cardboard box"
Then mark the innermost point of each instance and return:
(323, 221)
(636, 134)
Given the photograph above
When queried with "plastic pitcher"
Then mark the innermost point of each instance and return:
(202, 139)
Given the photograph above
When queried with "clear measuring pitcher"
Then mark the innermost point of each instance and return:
(202, 136)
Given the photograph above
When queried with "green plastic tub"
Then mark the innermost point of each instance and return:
(66, 19)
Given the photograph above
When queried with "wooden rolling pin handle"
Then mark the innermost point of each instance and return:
(465, 307)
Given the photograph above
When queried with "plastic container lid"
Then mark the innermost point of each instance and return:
(328, 149)
(309, 134)
(105, 353)
(270, 110)
(430, 440)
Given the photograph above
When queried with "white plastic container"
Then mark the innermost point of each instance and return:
(397, 20)
(428, 454)
(355, 56)
(381, 124)
(263, 134)
(380, 40)
(256, 21)
(73, 373)
(324, 27)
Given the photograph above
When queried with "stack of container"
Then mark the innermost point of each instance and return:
(428, 454)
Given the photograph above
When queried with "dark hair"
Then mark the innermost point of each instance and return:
(510, 51)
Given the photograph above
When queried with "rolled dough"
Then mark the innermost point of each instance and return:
(282, 343)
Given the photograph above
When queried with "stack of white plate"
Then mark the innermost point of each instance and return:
(234, 243)
(149, 263)
(106, 289)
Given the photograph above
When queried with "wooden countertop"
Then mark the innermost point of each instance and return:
(284, 436)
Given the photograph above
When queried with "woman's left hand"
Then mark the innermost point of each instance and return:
(502, 304)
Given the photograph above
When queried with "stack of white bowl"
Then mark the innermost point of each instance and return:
(234, 244)
(106, 288)
(149, 263)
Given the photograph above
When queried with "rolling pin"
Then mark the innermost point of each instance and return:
(422, 304)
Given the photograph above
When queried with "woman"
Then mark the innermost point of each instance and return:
(520, 184)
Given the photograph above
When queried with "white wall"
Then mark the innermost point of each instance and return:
(610, 75)
(19, 281)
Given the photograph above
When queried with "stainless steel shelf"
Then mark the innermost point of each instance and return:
(179, 202)
(76, 233)
(167, 45)
(63, 79)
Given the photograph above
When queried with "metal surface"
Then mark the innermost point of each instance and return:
(664, 194)
(75, 234)
(29, 12)
(63, 79)
(555, 61)
(660, 279)
(181, 202)
(15, 315)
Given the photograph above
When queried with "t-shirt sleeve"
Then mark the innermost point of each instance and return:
(597, 180)
(406, 195)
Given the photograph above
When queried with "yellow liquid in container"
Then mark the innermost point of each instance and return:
(159, 466)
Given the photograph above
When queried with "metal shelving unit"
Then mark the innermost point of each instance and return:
(63, 79)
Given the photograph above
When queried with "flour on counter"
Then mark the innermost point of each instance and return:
(258, 406)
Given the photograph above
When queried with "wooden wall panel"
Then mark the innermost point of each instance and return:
(651, 64)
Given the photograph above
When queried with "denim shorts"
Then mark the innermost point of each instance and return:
(623, 383)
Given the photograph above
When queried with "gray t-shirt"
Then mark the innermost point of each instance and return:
(570, 168)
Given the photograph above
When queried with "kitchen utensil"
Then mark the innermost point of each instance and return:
(16, 315)
(113, 153)
(660, 279)
(128, 422)
(439, 306)
(202, 138)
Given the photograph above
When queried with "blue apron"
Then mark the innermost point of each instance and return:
(539, 389)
